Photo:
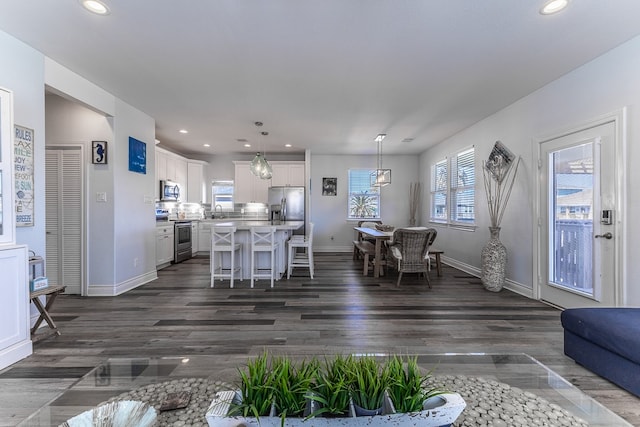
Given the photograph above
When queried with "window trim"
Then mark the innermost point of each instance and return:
(451, 189)
(373, 190)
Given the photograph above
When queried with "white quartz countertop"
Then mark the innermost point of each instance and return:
(247, 224)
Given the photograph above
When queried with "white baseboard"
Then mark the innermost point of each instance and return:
(511, 285)
(120, 288)
(15, 353)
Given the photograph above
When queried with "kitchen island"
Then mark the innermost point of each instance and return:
(284, 230)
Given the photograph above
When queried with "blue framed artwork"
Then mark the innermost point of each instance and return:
(137, 156)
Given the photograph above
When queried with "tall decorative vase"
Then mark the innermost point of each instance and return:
(494, 262)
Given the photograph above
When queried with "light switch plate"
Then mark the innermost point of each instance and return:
(101, 197)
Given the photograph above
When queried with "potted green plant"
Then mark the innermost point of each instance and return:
(256, 389)
(292, 384)
(272, 393)
(407, 387)
(332, 388)
(368, 383)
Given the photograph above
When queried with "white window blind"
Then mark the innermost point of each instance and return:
(463, 187)
(364, 200)
(453, 189)
(439, 191)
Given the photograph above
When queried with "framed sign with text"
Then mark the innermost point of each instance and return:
(23, 165)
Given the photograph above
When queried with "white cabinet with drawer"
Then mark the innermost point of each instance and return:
(164, 244)
(204, 236)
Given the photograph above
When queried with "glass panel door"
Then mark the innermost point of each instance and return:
(571, 218)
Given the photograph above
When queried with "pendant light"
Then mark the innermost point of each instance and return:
(380, 177)
(259, 165)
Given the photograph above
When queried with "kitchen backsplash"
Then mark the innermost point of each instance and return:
(196, 211)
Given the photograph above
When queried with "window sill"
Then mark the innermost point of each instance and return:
(452, 226)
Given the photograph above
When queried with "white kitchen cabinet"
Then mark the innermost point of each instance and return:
(194, 238)
(15, 341)
(164, 244)
(170, 166)
(161, 165)
(204, 236)
(287, 174)
(248, 187)
(195, 182)
(180, 172)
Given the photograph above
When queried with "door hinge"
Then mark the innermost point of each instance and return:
(539, 163)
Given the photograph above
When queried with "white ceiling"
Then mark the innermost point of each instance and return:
(325, 75)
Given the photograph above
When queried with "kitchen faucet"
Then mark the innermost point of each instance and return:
(215, 209)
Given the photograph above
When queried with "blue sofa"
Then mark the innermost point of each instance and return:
(606, 341)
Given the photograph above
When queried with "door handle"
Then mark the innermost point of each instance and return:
(607, 236)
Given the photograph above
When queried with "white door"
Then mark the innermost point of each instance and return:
(577, 228)
(64, 225)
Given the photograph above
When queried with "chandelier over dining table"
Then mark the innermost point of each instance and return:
(380, 177)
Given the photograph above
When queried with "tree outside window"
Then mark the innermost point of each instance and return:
(364, 200)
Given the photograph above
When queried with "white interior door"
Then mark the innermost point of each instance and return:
(64, 201)
(577, 227)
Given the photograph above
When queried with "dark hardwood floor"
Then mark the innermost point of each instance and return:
(339, 311)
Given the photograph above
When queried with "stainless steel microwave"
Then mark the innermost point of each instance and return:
(169, 191)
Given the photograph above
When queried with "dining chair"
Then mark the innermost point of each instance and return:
(409, 252)
(301, 258)
(263, 240)
(223, 241)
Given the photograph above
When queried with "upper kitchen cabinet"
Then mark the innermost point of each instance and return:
(170, 166)
(287, 174)
(196, 188)
(248, 187)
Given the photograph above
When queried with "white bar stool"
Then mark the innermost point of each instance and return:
(263, 240)
(302, 258)
(223, 240)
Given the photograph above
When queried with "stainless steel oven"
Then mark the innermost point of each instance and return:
(182, 241)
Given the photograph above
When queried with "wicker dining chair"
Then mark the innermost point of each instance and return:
(409, 252)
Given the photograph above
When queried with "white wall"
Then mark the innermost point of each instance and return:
(22, 72)
(600, 87)
(135, 221)
(68, 122)
(329, 213)
(113, 244)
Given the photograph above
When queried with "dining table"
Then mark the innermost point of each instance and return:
(379, 237)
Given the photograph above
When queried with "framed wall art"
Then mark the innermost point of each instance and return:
(137, 156)
(99, 152)
(329, 186)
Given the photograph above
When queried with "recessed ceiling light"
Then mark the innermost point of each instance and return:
(95, 6)
(183, 131)
(247, 145)
(206, 145)
(408, 139)
(287, 145)
(553, 6)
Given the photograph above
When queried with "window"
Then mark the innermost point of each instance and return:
(453, 189)
(364, 200)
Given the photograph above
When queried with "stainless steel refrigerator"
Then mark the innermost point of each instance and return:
(291, 203)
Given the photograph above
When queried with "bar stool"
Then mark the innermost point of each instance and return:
(302, 258)
(223, 240)
(263, 240)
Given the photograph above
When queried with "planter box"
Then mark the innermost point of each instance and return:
(439, 411)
